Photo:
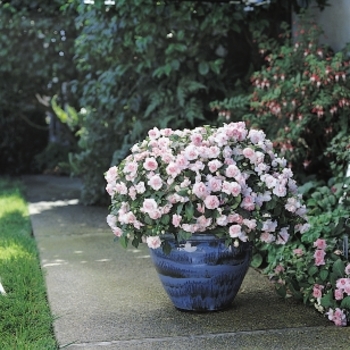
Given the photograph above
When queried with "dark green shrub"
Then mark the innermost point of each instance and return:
(148, 63)
(36, 53)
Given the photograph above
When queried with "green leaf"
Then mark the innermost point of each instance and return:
(312, 270)
(203, 68)
(338, 268)
(281, 290)
(324, 274)
(166, 247)
(327, 300)
(165, 219)
(345, 303)
(123, 241)
(256, 261)
(189, 210)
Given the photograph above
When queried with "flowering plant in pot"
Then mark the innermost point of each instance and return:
(225, 180)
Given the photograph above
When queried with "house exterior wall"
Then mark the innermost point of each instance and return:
(335, 21)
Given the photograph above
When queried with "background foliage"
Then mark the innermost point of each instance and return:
(36, 52)
(123, 68)
(146, 64)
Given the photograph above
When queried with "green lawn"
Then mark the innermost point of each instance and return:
(25, 318)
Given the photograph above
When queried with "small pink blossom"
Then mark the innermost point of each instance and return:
(215, 184)
(155, 182)
(319, 257)
(256, 136)
(117, 231)
(140, 187)
(269, 180)
(150, 164)
(342, 283)
(196, 139)
(248, 203)
(269, 226)
(292, 205)
(130, 168)
(347, 269)
(317, 291)
(181, 161)
(111, 220)
(283, 236)
(153, 242)
(154, 214)
(279, 269)
(111, 174)
(121, 188)
(235, 231)
(298, 252)
(173, 169)
(148, 205)
(200, 190)
(201, 208)
(132, 193)
(213, 152)
(338, 294)
(250, 223)
(211, 202)
(267, 237)
(235, 218)
(248, 153)
(110, 188)
(222, 220)
(337, 316)
(154, 133)
(280, 190)
(232, 171)
(320, 244)
(214, 165)
(176, 220)
(203, 222)
(191, 152)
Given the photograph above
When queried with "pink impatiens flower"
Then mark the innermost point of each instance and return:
(320, 244)
(176, 220)
(337, 316)
(317, 291)
(111, 174)
(155, 182)
(200, 190)
(153, 242)
(319, 257)
(298, 252)
(150, 164)
(211, 202)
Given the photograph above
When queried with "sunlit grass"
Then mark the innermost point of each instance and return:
(25, 318)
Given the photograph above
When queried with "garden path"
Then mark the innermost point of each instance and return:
(108, 298)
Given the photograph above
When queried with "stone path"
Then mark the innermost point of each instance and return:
(108, 298)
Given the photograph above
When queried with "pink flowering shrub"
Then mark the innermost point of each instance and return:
(225, 180)
(300, 97)
(314, 266)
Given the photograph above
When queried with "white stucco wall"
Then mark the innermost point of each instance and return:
(335, 21)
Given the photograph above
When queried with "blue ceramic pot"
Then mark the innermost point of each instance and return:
(202, 274)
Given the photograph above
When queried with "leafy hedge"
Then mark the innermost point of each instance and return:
(36, 52)
(149, 64)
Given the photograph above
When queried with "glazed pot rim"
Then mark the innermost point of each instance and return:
(196, 237)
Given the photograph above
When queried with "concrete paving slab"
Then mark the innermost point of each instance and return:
(106, 297)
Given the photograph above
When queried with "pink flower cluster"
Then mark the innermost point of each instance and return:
(205, 179)
(320, 252)
(337, 316)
